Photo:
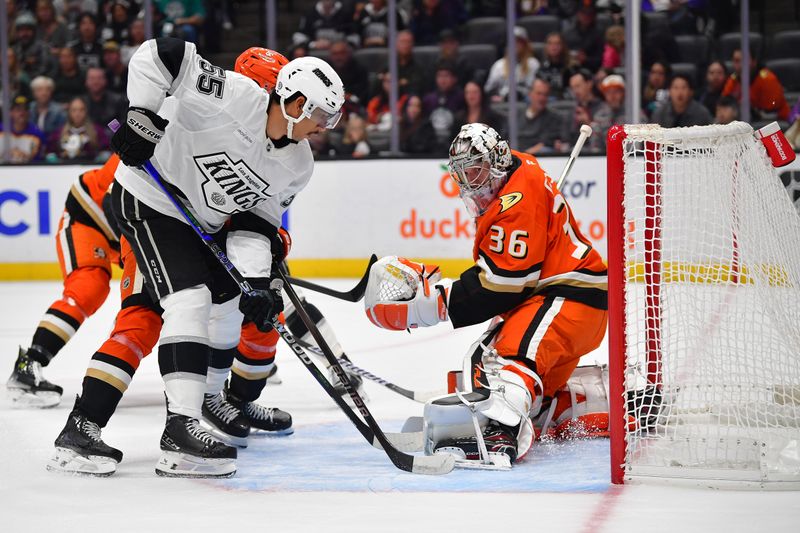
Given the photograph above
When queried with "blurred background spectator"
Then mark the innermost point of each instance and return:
(182, 18)
(614, 49)
(354, 76)
(655, 90)
(430, 17)
(540, 128)
(87, 48)
(20, 81)
(104, 106)
(416, 130)
(27, 141)
(412, 76)
(477, 109)
(379, 114)
(555, 64)
(44, 112)
(681, 109)
(766, 92)
(79, 138)
(116, 70)
(726, 111)
(133, 41)
(527, 66)
(118, 19)
(325, 22)
(613, 109)
(70, 80)
(586, 38)
(442, 104)
(33, 55)
(372, 23)
(449, 50)
(354, 141)
(50, 30)
(716, 74)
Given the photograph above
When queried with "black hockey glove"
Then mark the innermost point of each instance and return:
(136, 140)
(262, 305)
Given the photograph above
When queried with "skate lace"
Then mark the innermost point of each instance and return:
(91, 430)
(223, 409)
(199, 433)
(259, 412)
(35, 368)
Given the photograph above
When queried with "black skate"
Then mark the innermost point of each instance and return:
(80, 450)
(271, 420)
(190, 451)
(225, 421)
(501, 445)
(28, 388)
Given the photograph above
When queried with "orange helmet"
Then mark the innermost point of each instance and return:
(260, 65)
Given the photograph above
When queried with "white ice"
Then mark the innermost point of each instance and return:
(325, 477)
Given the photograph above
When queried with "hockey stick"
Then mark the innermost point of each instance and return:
(353, 295)
(348, 365)
(586, 132)
(370, 430)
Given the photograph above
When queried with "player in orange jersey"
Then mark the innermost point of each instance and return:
(87, 246)
(537, 274)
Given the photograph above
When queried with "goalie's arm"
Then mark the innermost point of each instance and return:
(471, 302)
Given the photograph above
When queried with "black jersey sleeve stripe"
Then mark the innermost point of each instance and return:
(509, 273)
(471, 303)
(170, 52)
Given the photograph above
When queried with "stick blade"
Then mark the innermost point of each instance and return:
(433, 465)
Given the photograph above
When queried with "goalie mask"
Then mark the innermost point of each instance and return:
(479, 163)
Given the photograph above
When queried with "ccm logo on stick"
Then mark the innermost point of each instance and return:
(15, 221)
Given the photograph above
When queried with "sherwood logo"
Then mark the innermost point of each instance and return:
(230, 186)
(144, 129)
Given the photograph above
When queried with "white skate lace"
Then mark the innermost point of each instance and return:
(91, 429)
(259, 412)
(36, 369)
(222, 409)
(199, 433)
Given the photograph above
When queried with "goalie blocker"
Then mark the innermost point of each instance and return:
(533, 270)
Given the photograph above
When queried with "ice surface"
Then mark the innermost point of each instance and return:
(325, 477)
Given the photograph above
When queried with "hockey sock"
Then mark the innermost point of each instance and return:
(218, 370)
(184, 366)
(59, 324)
(249, 376)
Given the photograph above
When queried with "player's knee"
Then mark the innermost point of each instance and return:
(88, 288)
(186, 314)
(225, 325)
(258, 345)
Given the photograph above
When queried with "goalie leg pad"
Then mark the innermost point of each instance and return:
(580, 408)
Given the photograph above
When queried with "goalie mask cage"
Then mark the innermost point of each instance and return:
(704, 309)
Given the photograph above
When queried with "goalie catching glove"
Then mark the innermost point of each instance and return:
(403, 294)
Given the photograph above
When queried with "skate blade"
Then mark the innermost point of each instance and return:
(230, 440)
(256, 432)
(496, 461)
(25, 399)
(66, 461)
(176, 464)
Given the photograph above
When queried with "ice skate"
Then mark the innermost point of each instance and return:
(190, 451)
(501, 446)
(81, 450)
(225, 421)
(28, 388)
(263, 420)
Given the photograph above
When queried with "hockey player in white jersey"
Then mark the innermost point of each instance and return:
(236, 157)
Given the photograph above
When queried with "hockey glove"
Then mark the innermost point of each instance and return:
(136, 140)
(281, 244)
(262, 304)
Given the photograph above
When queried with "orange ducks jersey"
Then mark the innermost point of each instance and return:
(527, 242)
(85, 200)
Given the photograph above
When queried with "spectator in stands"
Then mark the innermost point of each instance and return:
(581, 87)
(88, 49)
(104, 106)
(613, 109)
(447, 99)
(182, 18)
(537, 7)
(681, 109)
(118, 21)
(614, 49)
(50, 30)
(586, 38)
(11, 20)
(430, 17)
(79, 138)
(449, 51)
(134, 40)
(116, 70)
(655, 91)
(477, 109)
(555, 64)
(766, 92)
(354, 76)
(416, 130)
(727, 110)
(27, 141)
(657, 44)
(540, 128)
(354, 141)
(379, 114)
(716, 74)
(32, 54)
(20, 81)
(411, 75)
(299, 50)
(44, 112)
(69, 79)
(587, 105)
(527, 67)
(372, 23)
(325, 22)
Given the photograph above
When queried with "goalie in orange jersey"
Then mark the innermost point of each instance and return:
(545, 285)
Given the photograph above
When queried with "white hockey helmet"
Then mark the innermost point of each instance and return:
(479, 163)
(319, 83)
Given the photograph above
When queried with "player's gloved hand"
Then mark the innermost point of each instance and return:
(135, 141)
(262, 305)
(402, 294)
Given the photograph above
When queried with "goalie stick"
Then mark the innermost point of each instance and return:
(369, 428)
(353, 295)
(586, 132)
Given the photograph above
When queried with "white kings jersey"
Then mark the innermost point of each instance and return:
(215, 149)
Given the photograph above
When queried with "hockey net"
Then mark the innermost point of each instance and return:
(704, 304)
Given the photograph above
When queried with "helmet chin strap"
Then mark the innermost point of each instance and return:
(290, 121)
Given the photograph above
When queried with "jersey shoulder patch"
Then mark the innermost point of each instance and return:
(507, 201)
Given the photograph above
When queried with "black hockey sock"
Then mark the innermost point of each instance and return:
(249, 376)
(54, 331)
(106, 380)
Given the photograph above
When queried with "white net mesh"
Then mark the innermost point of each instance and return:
(712, 369)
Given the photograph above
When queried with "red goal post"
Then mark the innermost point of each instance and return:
(704, 309)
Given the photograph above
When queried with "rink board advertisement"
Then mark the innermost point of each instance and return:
(349, 210)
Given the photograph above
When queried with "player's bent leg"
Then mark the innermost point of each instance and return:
(254, 360)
